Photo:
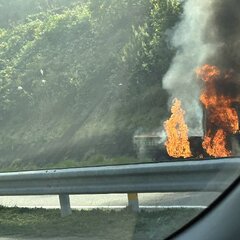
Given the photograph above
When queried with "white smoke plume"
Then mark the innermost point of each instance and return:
(192, 51)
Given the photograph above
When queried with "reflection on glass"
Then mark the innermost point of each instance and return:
(108, 82)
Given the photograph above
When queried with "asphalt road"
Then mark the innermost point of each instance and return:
(113, 200)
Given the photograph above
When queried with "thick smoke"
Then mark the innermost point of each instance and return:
(225, 25)
(209, 33)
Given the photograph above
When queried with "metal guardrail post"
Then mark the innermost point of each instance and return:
(133, 203)
(65, 205)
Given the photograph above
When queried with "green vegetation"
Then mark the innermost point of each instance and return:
(93, 160)
(23, 222)
(16, 11)
(79, 78)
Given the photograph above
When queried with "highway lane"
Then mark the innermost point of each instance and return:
(112, 200)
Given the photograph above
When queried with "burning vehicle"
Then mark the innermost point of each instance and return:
(203, 82)
(152, 146)
(220, 99)
(220, 103)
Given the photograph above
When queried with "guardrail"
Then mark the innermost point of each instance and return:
(183, 176)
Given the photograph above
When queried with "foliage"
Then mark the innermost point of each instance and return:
(148, 55)
(84, 69)
(43, 223)
(13, 12)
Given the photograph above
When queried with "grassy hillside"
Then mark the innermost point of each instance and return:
(77, 80)
(13, 12)
(25, 223)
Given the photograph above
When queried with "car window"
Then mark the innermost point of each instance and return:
(122, 114)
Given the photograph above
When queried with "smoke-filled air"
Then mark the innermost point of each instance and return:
(208, 33)
(85, 83)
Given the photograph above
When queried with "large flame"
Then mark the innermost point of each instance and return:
(216, 145)
(222, 118)
(177, 143)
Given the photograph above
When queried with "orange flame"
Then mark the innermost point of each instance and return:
(208, 73)
(216, 146)
(221, 116)
(177, 143)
